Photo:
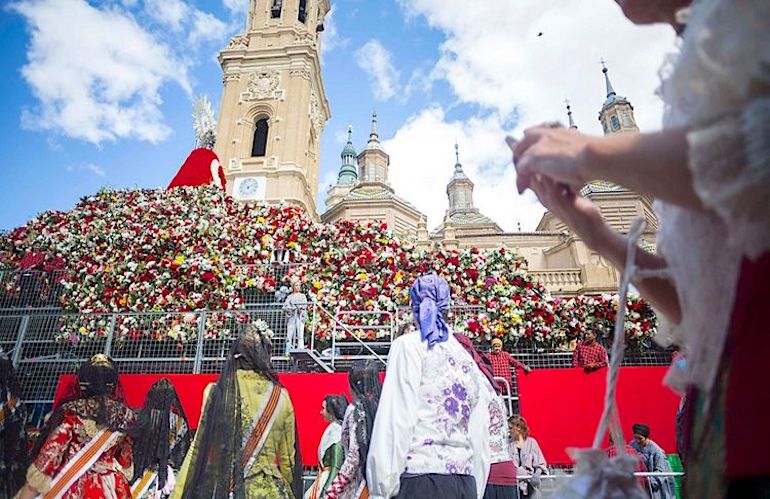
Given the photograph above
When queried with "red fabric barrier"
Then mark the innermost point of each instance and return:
(307, 391)
(562, 407)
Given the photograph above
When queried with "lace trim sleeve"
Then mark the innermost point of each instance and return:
(730, 163)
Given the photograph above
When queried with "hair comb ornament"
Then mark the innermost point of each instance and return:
(100, 360)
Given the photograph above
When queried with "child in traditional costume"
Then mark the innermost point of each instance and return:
(331, 453)
(84, 449)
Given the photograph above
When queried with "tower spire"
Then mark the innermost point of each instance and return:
(349, 170)
(374, 138)
(610, 90)
(572, 124)
(458, 165)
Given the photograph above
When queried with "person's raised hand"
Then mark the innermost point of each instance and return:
(557, 153)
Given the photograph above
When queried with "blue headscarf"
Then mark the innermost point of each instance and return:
(429, 297)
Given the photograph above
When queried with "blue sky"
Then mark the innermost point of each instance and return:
(100, 93)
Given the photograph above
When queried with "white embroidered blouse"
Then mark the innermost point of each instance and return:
(718, 86)
(498, 427)
(432, 417)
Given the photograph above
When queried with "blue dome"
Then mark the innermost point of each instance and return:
(348, 150)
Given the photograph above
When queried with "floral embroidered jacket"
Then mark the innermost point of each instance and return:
(432, 418)
(108, 477)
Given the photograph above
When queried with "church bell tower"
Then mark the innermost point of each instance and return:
(617, 113)
(274, 106)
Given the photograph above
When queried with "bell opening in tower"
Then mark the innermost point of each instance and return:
(259, 146)
(275, 11)
(302, 13)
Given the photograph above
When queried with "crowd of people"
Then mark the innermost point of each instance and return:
(455, 439)
(436, 427)
(93, 444)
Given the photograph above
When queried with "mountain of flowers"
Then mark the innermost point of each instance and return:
(174, 252)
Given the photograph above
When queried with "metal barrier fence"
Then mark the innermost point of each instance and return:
(508, 397)
(25, 289)
(549, 484)
(542, 358)
(45, 344)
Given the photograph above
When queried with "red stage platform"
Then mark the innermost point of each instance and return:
(562, 406)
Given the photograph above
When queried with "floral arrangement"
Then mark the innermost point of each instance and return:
(173, 253)
(262, 327)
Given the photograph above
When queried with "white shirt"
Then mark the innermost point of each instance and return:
(432, 416)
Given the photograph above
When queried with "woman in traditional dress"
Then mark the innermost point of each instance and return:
(161, 440)
(330, 451)
(527, 456)
(13, 436)
(246, 444)
(84, 450)
(501, 483)
(365, 385)
(431, 436)
(709, 172)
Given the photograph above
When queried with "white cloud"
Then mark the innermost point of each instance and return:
(493, 56)
(375, 60)
(89, 167)
(422, 162)
(237, 6)
(96, 73)
(180, 18)
(331, 38)
(207, 28)
(169, 13)
(96, 170)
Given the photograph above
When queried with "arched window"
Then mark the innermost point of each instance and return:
(615, 122)
(259, 146)
(302, 13)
